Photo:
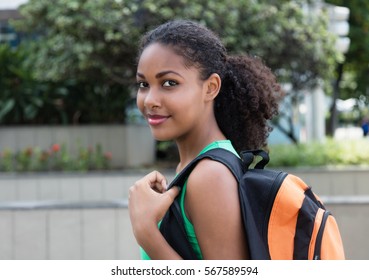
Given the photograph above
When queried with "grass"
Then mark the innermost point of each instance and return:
(329, 153)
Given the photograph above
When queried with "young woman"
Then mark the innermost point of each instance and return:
(191, 91)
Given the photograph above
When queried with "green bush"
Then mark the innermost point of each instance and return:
(56, 158)
(328, 153)
(26, 100)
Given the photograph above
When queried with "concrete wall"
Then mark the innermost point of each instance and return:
(335, 181)
(84, 216)
(352, 215)
(70, 187)
(101, 186)
(103, 230)
(131, 146)
(66, 231)
(66, 216)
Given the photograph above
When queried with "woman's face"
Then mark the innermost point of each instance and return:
(170, 95)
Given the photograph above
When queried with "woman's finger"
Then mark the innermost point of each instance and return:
(173, 192)
(157, 181)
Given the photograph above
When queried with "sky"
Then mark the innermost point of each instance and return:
(11, 4)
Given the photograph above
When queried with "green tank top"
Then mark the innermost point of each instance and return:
(224, 144)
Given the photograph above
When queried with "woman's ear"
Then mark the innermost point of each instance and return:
(212, 85)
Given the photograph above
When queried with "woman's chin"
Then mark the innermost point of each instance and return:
(161, 137)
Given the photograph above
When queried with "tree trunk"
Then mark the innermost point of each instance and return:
(333, 120)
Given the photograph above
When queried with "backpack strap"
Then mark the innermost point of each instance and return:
(172, 225)
(226, 157)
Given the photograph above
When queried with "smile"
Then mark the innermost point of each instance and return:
(156, 119)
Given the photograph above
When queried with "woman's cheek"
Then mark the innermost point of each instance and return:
(140, 103)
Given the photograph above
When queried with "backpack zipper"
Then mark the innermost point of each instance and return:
(319, 237)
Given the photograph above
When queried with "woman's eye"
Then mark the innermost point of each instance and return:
(142, 84)
(169, 83)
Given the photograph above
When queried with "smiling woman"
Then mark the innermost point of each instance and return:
(169, 93)
(191, 91)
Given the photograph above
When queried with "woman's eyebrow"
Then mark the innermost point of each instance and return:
(138, 74)
(161, 74)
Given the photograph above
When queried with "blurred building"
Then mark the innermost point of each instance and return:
(9, 10)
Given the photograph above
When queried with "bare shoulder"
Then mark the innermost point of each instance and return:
(210, 185)
(211, 176)
(212, 205)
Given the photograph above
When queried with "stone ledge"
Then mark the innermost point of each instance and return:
(49, 205)
(102, 186)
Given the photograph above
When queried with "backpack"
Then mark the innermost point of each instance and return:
(283, 219)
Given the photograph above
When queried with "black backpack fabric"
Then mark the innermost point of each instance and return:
(282, 217)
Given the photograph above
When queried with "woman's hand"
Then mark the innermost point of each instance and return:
(148, 202)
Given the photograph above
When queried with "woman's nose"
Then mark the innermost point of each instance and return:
(152, 98)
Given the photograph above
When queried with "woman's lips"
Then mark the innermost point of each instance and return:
(156, 119)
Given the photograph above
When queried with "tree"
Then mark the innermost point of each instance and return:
(351, 78)
(97, 40)
(357, 58)
(22, 99)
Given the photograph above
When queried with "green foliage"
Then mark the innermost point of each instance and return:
(329, 153)
(88, 48)
(56, 158)
(26, 100)
(98, 39)
(88, 40)
(94, 102)
(22, 99)
(294, 43)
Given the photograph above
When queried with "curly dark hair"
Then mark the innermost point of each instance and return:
(249, 93)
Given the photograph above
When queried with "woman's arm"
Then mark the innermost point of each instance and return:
(212, 204)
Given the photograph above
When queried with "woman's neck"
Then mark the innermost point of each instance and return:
(190, 147)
